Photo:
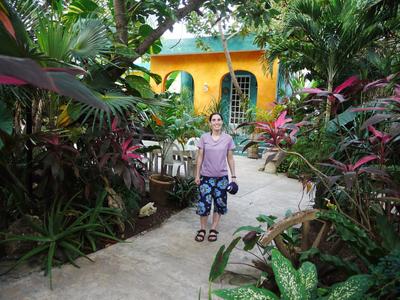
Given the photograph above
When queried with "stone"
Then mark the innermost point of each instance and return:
(147, 210)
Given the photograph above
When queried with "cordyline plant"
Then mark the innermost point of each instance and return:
(117, 152)
(280, 132)
(58, 154)
(335, 97)
(379, 139)
(349, 171)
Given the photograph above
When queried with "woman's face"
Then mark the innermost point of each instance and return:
(216, 123)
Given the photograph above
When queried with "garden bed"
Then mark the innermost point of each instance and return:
(133, 226)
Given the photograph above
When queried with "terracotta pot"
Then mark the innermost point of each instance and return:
(159, 187)
(252, 152)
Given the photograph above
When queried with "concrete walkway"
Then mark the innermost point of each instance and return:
(165, 263)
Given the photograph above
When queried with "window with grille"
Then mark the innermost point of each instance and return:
(237, 111)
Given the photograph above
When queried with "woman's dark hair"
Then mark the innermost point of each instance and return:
(213, 114)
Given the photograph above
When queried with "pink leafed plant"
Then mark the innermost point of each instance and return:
(336, 93)
(351, 167)
(380, 139)
(278, 132)
(127, 150)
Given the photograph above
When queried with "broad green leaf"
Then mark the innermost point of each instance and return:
(29, 72)
(6, 122)
(257, 229)
(157, 78)
(353, 235)
(250, 240)
(145, 30)
(353, 288)
(67, 85)
(287, 278)
(390, 239)
(171, 78)
(350, 267)
(309, 278)
(53, 39)
(141, 85)
(221, 260)
(341, 120)
(246, 293)
(270, 220)
(81, 7)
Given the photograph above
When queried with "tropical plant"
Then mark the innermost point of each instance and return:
(63, 234)
(327, 37)
(171, 123)
(184, 192)
(278, 132)
(298, 284)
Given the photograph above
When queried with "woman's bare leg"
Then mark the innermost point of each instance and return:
(215, 221)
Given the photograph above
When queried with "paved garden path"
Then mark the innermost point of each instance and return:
(165, 263)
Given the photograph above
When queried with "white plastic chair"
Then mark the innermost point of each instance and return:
(192, 141)
(173, 160)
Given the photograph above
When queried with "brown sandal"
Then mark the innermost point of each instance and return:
(201, 234)
(213, 235)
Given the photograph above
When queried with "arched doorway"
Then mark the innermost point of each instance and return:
(180, 82)
(233, 107)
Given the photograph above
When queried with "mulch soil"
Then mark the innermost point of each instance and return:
(136, 225)
(141, 225)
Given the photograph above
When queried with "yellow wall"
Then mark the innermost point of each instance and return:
(210, 68)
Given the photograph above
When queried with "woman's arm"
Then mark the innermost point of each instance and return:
(231, 163)
(199, 162)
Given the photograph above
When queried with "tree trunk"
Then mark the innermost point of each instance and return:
(120, 21)
(229, 62)
(17, 118)
(328, 107)
(331, 71)
(29, 151)
(37, 115)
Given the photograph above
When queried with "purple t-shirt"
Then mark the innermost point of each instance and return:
(215, 154)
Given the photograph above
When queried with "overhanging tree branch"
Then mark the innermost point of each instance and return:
(193, 5)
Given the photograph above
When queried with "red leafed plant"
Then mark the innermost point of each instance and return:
(379, 139)
(336, 93)
(336, 96)
(127, 150)
(117, 152)
(356, 167)
(349, 171)
(279, 132)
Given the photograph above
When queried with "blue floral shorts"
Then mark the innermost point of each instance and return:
(212, 189)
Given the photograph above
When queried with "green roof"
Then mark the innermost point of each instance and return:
(188, 46)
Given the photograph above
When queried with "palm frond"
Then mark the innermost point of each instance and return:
(29, 12)
(90, 39)
(119, 105)
(53, 39)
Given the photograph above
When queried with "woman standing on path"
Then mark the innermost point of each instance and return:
(215, 152)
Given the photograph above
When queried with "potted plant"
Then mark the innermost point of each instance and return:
(169, 124)
(252, 151)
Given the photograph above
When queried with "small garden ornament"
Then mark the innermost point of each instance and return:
(147, 210)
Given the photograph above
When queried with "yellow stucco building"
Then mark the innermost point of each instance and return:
(207, 74)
